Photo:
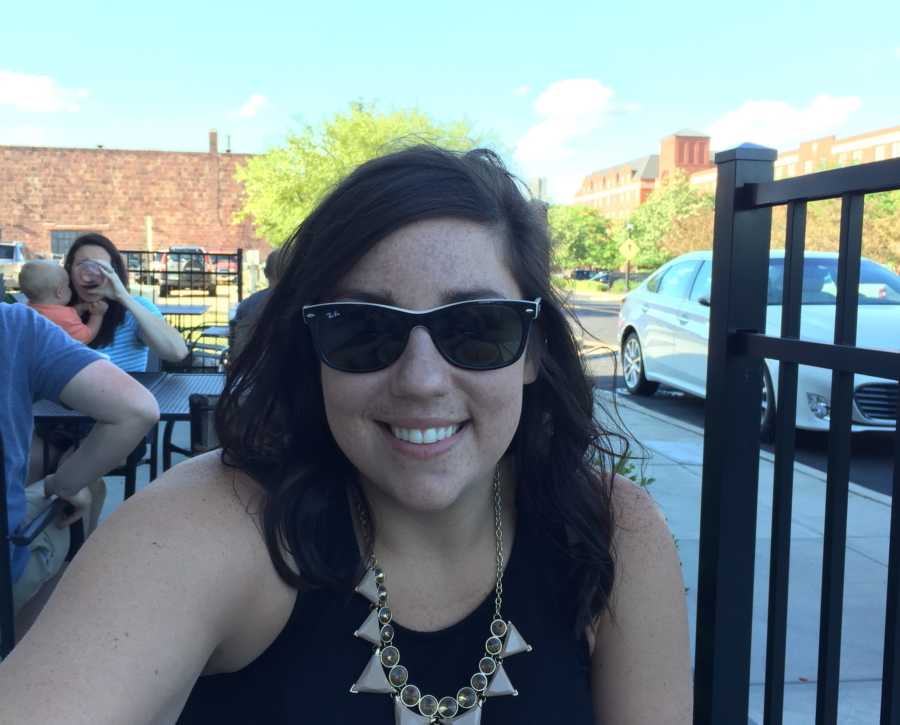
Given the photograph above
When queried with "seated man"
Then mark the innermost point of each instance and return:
(39, 361)
(248, 311)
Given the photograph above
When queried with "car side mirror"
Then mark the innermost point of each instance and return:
(703, 301)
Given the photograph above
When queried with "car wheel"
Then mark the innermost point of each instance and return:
(767, 408)
(633, 367)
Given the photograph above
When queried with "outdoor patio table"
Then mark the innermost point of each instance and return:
(179, 312)
(173, 397)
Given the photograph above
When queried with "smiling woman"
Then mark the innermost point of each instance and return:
(410, 464)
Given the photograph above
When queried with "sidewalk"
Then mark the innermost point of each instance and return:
(674, 453)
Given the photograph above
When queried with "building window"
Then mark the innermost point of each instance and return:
(857, 155)
(60, 240)
(791, 169)
(895, 150)
(842, 159)
(807, 167)
(879, 153)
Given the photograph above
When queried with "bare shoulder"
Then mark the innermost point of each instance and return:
(643, 638)
(157, 595)
(639, 524)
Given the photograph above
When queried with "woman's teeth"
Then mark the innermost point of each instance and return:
(423, 436)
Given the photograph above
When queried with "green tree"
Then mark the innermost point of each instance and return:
(284, 185)
(581, 237)
(659, 220)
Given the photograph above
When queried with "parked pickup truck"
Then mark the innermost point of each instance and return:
(12, 257)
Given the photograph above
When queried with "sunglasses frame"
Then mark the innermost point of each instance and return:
(528, 310)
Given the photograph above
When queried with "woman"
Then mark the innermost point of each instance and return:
(410, 465)
(132, 325)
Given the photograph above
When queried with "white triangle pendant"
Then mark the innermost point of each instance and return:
(468, 717)
(370, 629)
(514, 643)
(404, 716)
(500, 685)
(372, 678)
(368, 587)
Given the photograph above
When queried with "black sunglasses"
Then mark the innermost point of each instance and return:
(361, 337)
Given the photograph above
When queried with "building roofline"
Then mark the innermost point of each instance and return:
(94, 149)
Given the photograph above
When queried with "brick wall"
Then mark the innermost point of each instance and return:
(191, 197)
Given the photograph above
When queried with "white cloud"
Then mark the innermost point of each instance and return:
(37, 94)
(522, 90)
(253, 106)
(780, 125)
(570, 109)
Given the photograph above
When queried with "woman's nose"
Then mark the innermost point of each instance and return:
(421, 369)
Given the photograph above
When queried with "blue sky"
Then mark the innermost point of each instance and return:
(565, 88)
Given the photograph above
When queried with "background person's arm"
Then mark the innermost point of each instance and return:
(124, 410)
(159, 335)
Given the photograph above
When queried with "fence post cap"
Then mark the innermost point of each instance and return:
(747, 152)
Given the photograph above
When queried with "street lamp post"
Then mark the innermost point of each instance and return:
(628, 228)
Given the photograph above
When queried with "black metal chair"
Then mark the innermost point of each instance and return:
(24, 535)
(203, 429)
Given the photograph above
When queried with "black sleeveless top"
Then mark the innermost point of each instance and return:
(304, 677)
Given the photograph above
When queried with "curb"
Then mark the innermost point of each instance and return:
(855, 488)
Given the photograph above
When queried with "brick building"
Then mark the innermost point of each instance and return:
(48, 196)
(619, 190)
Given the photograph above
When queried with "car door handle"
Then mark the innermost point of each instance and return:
(683, 319)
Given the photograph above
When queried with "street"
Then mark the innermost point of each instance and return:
(872, 458)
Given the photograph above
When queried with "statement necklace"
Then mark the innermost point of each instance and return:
(385, 675)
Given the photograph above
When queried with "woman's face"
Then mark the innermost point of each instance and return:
(88, 251)
(425, 265)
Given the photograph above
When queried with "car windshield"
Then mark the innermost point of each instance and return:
(877, 285)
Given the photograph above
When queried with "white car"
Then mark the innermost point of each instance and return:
(664, 332)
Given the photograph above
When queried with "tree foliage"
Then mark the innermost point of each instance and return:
(668, 221)
(284, 185)
(581, 237)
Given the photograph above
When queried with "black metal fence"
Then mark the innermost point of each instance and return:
(196, 291)
(737, 346)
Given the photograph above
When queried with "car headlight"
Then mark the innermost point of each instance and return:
(818, 406)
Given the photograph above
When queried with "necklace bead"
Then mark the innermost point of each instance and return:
(410, 695)
(398, 675)
(428, 705)
(467, 697)
(390, 656)
(448, 707)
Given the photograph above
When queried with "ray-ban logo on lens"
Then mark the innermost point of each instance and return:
(331, 315)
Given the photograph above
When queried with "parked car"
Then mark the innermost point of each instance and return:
(601, 276)
(581, 274)
(664, 333)
(12, 257)
(186, 268)
(143, 267)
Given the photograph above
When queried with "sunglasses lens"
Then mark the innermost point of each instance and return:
(360, 338)
(479, 336)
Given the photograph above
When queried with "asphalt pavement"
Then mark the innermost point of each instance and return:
(872, 455)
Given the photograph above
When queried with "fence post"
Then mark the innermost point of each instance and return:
(731, 442)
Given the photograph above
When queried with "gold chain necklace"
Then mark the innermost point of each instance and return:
(385, 675)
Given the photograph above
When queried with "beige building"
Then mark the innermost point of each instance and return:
(619, 190)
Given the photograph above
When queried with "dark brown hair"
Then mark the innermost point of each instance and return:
(271, 418)
(115, 315)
